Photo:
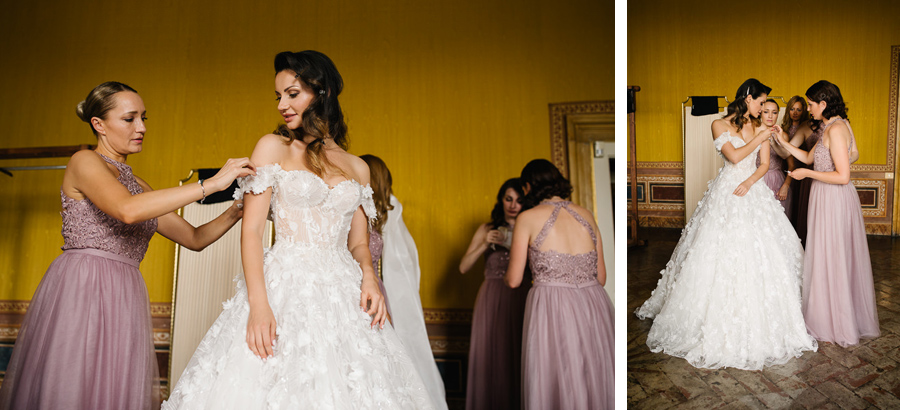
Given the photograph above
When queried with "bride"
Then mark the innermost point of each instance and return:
(730, 294)
(306, 327)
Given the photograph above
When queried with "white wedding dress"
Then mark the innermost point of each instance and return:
(326, 355)
(730, 294)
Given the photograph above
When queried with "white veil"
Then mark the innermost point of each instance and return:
(400, 270)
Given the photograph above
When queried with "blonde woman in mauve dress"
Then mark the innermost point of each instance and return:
(86, 342)
(495, 352)
(567, 345)
(775, 175)
(838, 289)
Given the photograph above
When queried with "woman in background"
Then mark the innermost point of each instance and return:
(775, 175)
(495, 352)
(567, 344)
(391, 242)
(87, 341)
(838, 289)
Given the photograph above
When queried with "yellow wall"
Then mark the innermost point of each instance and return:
(451, 94)
(675, 50)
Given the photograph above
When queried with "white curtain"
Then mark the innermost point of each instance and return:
(400, 270)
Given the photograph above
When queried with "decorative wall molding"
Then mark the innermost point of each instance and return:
(447, 316)
(559, 154)
(664, 208)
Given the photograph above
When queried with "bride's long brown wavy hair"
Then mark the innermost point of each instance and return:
(323, 118)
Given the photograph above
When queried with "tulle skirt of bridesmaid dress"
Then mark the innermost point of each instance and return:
(86, 341)
(838, 290)
(495, 352)
(568, 348)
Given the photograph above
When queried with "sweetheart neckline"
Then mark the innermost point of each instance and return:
(318, 178)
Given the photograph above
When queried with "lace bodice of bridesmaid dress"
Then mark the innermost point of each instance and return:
(376, 247)
(822, 156)
(495, 262)
(87, 227)
(552, 266)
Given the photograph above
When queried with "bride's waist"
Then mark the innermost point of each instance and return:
(314, 249)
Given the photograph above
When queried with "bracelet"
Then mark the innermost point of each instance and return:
(204, 191)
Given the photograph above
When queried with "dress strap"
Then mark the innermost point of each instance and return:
(847, 123)
(542, 235)
(583, 222)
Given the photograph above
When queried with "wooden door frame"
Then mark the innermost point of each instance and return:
(569, 154)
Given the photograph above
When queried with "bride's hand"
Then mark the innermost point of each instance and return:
(743, 188)
(261, 331)
(372, 301)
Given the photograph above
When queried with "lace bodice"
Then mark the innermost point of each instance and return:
(495, 262)
(552, 266)
(305, 209)
(822, 160)
(746, 165)
(776, 163)
(376, 247)
(793, 130)
(87, 227)
(812, 139)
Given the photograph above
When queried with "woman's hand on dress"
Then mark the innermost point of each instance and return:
(782, 193)
(743, 188)
(234, 168)
(261, 331)
(371, 301)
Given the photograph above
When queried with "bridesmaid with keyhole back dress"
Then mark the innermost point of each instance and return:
(567, 345)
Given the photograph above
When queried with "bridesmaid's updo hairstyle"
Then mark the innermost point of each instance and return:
(381, 182)
(787, 122)
(738, 107)
(498, 217)
(323, 117)
(99, 101)
(546, 182)
(831, 95)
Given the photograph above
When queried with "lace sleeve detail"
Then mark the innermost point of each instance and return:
(722, 140)
(264, 178)
(368, 203)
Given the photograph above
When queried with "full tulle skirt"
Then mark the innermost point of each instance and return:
(326, 354)
(568, 348)
(730, 294)
(86, 341)
(495, 350)
(838, 289)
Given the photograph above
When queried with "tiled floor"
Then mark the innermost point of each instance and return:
(866, 376)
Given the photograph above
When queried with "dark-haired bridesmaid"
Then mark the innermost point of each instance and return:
(495, 352)
(838, 289)
(567, 345)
